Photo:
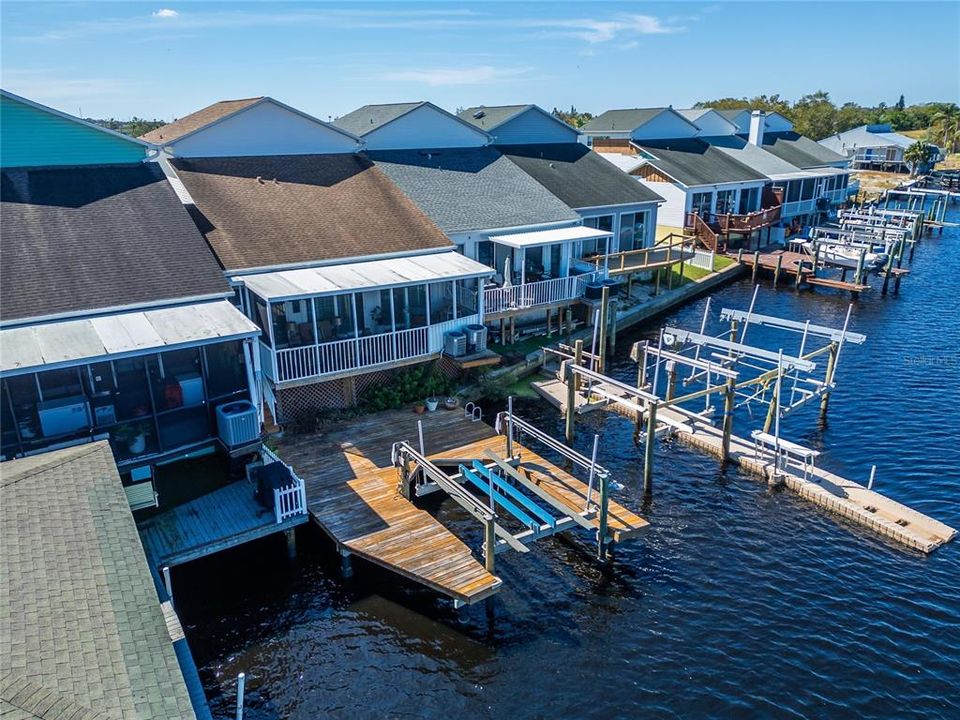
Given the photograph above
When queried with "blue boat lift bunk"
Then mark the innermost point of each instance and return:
(519, 490)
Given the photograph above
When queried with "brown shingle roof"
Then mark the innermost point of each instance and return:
(291, 209)
(178, 128)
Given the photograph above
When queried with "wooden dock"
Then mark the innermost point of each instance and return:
(216, 521)
(793, 265)
(352, 494)
(839, 495)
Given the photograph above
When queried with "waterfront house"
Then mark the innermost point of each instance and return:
(346, 277)
(414, 125)
(520, 124)
(662, 150)
(873, 147)
(115, 319)
(725, 174)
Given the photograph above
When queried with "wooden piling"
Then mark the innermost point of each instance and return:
(571, 407)
(771, 411)
(776, 270)
(671, 379)
(568, 318)
(613, 328)
(828, 379)
(604, 512)
(729, 396)
(604, 324)
(648, 450)
(756, 266)
(578, 362)
(489, 545)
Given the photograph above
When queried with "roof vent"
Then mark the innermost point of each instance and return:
(552, 165)
(259, 179)
(478, 114)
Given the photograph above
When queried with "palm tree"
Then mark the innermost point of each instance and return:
(918, 155)
(947, 124)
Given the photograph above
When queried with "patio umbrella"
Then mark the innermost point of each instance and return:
(507, 275)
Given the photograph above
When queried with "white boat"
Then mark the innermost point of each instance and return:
(846, 255)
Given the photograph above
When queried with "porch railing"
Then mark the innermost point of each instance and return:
(290, 501)
(738, 223)
(308, 361)
(534, 294)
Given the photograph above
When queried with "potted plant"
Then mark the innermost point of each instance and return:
(133, 436)
(432, 403)
(452, 402)
(419, 408)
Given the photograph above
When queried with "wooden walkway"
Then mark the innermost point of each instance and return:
(352, 495)
(850, 499)
(216, 521)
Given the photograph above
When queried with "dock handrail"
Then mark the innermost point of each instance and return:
(404, 451)
(503, 422)
(290, 501)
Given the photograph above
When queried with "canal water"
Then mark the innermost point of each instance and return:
(738, 601)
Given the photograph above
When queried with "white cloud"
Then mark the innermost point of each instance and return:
(595, 31)
(480, 75)
(166, 13)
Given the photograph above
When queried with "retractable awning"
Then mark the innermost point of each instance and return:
(551, 237)
(372, 274)
(111, 337)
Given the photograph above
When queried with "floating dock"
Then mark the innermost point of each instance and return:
(354, 495)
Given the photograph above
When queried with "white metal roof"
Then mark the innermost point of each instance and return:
(71, 342)
(338, 279)
(550, 237)
(627, 163)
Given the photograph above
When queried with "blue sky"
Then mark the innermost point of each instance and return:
(167, 58)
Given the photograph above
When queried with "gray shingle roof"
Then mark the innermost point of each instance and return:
(692, 161)
(577, 175)
(491, 116)
(800, 150)
(750, 155)
(621, 120)
(371, 117)
(86, 238)
(464, 189)
(83, 632)
(292, 209)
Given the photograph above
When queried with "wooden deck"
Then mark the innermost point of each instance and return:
(839, 495)
(352, 495)
(790, 267)
(216, 521)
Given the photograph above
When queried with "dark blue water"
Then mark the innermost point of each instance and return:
(738, 602)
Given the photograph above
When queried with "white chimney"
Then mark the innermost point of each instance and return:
(757, 121)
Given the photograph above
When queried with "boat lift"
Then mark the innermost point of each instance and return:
(494, 488)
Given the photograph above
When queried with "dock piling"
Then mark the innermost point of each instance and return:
(728, 402)
(571, 408)
(756, 267)
(648, 450)
(776, 270)
(604, 326)
(167, 583)
(828, 379)
(291, 538)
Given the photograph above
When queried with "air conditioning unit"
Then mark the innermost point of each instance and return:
(237, 423)
(455, 343)
(66, 415)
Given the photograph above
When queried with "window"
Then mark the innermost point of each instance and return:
(225, 369)
(410, 307)
(748, 200)
(334, 315)
(793, 191)
(807, 191)
(467, 297)
(627, 221)
(292, 323)
(441, 302)
(725, 201)
(533, 263)
(60, 384)
(259, 316)
(176, 377)
(701, 203)
(485, 253)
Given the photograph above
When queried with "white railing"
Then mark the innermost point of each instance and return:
(440, 329)
(702, 259)
(290, 501)
(310, 361)
(533, 294)
(798, 207)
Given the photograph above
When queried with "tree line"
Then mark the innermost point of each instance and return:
(817, 116)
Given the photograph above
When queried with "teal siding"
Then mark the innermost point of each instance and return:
(30, 137)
